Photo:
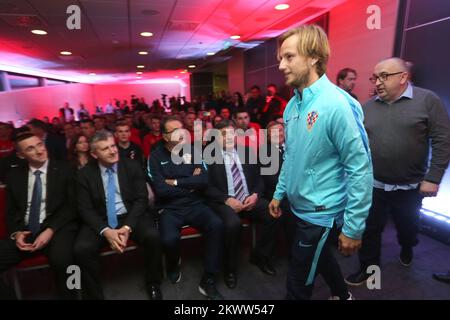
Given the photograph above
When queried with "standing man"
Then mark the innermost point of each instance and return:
(39, 215)
(327, 171)
(113, 204)
(402, 122)
(66, 113)
(346, 79)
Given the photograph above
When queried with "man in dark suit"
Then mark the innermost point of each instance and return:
(66, 113)
(235, 190)
(113, 204)
(40, 216)
(275, 154)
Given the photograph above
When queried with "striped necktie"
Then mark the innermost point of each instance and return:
(238, 183)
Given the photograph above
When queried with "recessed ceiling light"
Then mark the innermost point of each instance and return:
(39, 32)
(92, 74)
(66, 53)
(282, 6)
(138, 77)
(184, 71)
(140, 66)
(146, 34)
(235, 37)
(143, 53)
(139, 72)
(210, 53)
(192, 66)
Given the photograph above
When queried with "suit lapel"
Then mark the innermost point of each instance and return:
(52, 176)
(122, 176)
(22, 183)
(98, 182)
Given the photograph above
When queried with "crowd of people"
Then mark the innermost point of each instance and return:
(74, 187)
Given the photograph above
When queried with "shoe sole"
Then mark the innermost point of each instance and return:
(178, 279)
(404, 264)
(203, 292)
(357, 284)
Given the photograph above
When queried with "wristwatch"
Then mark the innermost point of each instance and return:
(128, 228)
(175, 182)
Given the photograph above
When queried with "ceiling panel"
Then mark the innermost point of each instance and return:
(108, 42)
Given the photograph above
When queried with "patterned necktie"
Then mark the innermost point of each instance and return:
(111, 199)
(239, 192)
(35, 208)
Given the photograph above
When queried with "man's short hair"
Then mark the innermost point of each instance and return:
(242, 110)
(273, 123)
(38, 124)
(88, 121)
(101, 135)
(169, 119)
(225, 123)
(122, 124)
(342, 74)
(312, 42)
(22, 136)
(255, 87)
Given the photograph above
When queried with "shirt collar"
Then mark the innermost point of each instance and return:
(42, 169)
(408, 93)
(313, 89)
(103, 168)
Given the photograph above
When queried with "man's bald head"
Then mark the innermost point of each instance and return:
(395, 63)
(391, 78)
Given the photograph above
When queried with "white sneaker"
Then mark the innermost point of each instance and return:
(351, 297)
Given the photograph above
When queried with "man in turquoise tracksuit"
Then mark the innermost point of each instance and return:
(327, 171)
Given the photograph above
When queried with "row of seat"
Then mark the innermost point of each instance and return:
(40, 261)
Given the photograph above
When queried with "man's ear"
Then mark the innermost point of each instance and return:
(314, 61)
(20, 155)
(94, 155)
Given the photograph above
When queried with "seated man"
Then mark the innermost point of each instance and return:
(113, 204)
(275, 153)
(179, 201)
(235, 190)
(39, 214)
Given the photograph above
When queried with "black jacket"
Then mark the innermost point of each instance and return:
(91, 194)
(189, 190)
(60, 201)
(217, 190)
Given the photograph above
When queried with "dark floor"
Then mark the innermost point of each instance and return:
(123, 275)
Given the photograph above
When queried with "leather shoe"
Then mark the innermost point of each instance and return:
(444, 277)
(154, 293)
(230, 280)
(264, 265)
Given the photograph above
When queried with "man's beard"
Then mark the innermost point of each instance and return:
(301, 81)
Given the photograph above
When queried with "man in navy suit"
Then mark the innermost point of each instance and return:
(39, 215)
(113, 204)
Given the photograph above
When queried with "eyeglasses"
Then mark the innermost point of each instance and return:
(383, 76)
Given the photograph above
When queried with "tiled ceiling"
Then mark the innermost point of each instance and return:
(109, 39)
